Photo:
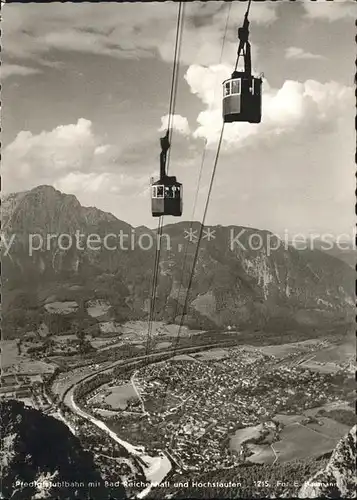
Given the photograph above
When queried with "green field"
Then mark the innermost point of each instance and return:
(99, 343)
(98, 308)
(329, 427)
(299, 442)
(212, 354)
(120, 396)
(58, 307)
(262, 454)
(288, 419)
(163, 345)
(11, 361)
(242, 435)
(283, 350)
(9, 354)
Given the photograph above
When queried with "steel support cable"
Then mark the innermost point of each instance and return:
(248, 8)
(173, 96)
(191, 226)
(200, 174)
(171, 112)
(154, 285)
(175, 77)
(201, 232)
(196, 253)
(245, 20)
(203, 220)
(207, 201)
(204, 217)
(172, 105)
(174, 72)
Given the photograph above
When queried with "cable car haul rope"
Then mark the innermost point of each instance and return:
(166, 192)
(242, 93)
(242, 102)
(198, 185)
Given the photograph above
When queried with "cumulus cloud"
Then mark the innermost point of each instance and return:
(127, 30)
(65, 147)
(298, 53)
(206, 82)
(7, 70)
(92, 183)
(330, 11)
(177, 122)
(295, 107)
(76, 181)
(71, 157)
(205, 28)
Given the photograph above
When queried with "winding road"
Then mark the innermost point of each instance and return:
(155, 468)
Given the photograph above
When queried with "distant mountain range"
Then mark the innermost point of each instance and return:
(238, 281)
(346, 251)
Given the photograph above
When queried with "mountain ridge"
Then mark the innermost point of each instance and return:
(235, 283)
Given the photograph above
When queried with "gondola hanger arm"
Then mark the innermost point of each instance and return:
(244, 46)
(165, 146)
(164, 142)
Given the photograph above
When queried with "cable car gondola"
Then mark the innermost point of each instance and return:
(166, 193)
(242, 93)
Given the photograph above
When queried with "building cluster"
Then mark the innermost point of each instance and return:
(189, 407)
(27, 388)
(202, 403)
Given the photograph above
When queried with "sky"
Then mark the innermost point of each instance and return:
(85, 95)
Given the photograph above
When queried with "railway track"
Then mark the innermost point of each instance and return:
(151, 358)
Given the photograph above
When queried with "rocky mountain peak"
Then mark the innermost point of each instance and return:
(234, 283)
(37, 449)
(45, 209)
(338, 479)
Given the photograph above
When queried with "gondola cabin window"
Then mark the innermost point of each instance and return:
(176, 191)
(157, 191)
(233, 87)
(172, 192)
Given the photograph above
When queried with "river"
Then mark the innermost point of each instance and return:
(156, 468)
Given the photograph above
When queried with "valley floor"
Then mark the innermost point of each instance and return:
(210, 410)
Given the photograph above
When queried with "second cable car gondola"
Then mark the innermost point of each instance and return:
(166, 193)
(242, 93)
(242, 98)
